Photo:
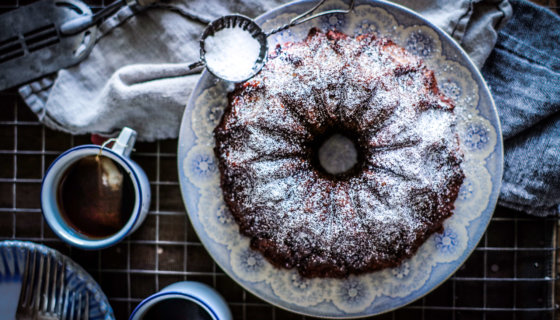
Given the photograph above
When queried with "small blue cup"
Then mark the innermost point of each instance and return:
(119, 153)
(202, 295)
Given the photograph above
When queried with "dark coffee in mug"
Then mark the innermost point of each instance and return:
(176, 309)
(96, 196)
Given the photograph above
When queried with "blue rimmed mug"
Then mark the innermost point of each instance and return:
(210, 302)
(120, 154)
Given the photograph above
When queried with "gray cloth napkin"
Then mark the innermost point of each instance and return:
(135, 74)
(523, 73)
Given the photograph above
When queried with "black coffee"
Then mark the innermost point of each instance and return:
(176, 309)
(96, 196)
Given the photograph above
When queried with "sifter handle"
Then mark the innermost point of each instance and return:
(308, 15)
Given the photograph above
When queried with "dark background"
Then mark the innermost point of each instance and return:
(511, 275)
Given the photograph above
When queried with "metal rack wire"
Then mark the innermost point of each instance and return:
(511, 275)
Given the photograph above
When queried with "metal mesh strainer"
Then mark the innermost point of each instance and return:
(256, 32)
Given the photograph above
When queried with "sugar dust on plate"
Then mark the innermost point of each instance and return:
(232, 54)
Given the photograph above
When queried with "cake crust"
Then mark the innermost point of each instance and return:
(375, 215)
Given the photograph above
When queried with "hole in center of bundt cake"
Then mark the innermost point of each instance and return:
(336, 154)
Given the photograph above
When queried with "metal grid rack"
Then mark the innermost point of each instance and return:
(511, 275)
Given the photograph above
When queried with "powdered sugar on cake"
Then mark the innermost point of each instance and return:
(381, 211)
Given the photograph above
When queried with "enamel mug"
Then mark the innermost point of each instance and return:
(120, 154)
(208, 304)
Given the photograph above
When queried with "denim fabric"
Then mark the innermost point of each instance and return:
(523, 73)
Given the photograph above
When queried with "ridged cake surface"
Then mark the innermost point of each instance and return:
(380, 211)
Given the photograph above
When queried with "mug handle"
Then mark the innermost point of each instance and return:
(125, 141)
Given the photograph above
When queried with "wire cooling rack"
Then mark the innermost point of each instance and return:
(511, 275)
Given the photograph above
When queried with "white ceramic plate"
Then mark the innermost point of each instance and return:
(436, 260)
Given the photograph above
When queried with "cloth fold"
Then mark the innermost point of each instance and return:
(523, 73)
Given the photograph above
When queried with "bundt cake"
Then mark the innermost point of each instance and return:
(378, 212)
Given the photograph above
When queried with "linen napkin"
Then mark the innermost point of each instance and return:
(135, 76)
(523, 73)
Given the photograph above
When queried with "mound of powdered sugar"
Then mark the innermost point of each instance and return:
(232, 53)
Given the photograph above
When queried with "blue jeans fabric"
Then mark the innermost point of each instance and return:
(523, 72)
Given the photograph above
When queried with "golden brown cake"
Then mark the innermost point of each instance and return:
(408, 171)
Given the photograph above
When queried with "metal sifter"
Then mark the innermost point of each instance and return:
(243, 24)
